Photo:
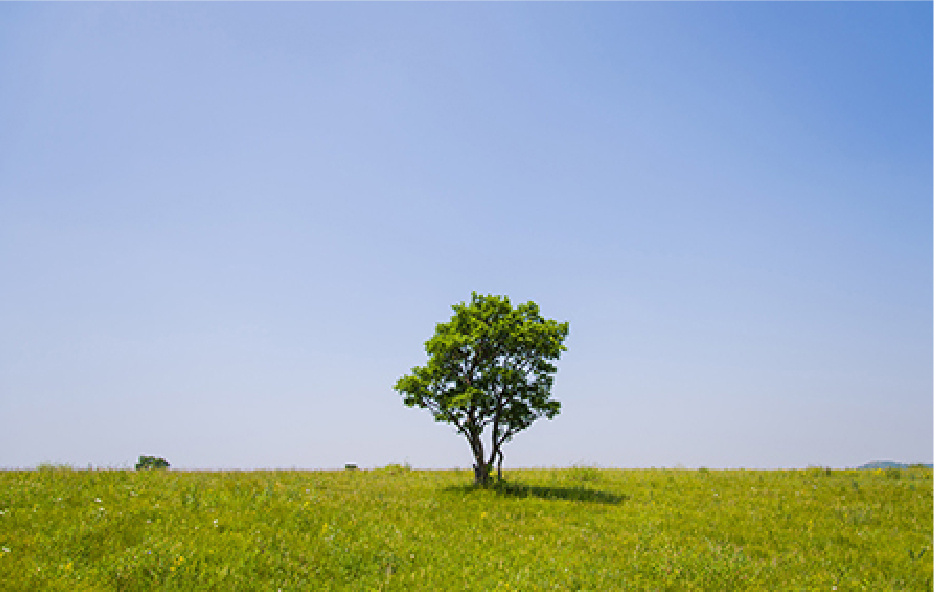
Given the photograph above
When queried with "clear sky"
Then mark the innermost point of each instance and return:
(227, 229)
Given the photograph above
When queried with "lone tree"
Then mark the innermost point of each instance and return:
(147, 463)
(489, 366)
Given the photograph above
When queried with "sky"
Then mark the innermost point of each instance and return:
(226, 230)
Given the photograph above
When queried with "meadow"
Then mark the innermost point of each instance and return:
(579, 528)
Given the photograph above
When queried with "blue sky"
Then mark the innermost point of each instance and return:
(227, 229)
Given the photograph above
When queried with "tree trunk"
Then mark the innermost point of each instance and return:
(481, 470)
(481, 474)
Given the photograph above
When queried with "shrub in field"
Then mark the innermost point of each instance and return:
(817, 471)
(47, 467)
(583, 473)
(395, 468)
(151, 462)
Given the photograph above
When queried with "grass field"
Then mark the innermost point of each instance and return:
(565, 529)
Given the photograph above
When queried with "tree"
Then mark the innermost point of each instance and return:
(147, 463)
(489, 366)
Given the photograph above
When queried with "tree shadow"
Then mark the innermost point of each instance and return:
(577, 493)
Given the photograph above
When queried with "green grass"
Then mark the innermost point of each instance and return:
(571, 529)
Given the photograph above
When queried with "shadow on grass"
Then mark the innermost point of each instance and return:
(577, 493)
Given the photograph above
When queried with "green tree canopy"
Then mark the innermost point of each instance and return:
(490, 365)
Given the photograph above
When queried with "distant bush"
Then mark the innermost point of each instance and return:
(395, 468)
(584, 473)
(703, 470)
(350, 467)
(147, 463)
(47, 467)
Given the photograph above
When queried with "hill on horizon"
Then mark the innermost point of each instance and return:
(888, 464)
